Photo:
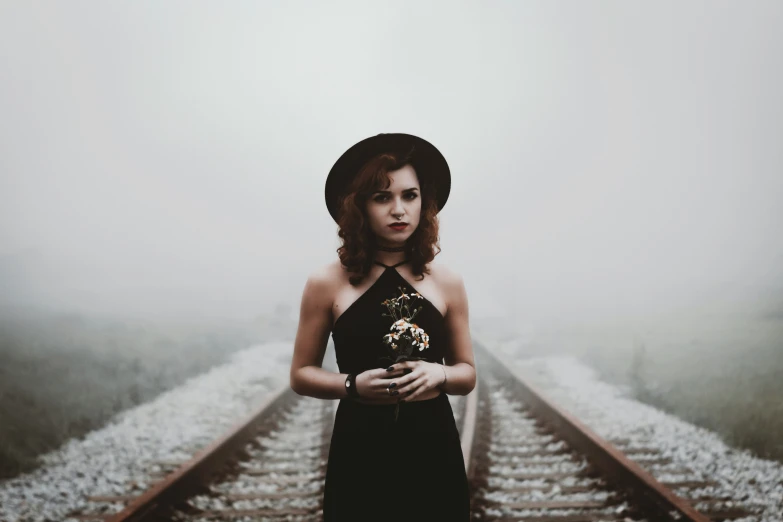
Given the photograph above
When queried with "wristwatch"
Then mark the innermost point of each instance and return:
(350, 386)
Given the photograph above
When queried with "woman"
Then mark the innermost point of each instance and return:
(384, 463)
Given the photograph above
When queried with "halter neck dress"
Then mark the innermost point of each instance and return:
(379, 469)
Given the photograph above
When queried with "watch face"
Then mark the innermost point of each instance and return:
(347, 384)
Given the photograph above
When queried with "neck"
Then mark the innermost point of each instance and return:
(400, 248)
(390, 254)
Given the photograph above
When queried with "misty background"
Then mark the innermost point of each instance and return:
(614, 165)
(607, 158)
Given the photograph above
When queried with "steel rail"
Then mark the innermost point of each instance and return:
(613, 464)
(191, 476)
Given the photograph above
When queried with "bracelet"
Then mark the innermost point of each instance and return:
(350, 385)
(444, 375)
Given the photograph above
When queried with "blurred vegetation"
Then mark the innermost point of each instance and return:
(731, 386)
(63, 375)
(717, 369)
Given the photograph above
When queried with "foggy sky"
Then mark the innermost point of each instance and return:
(607, 158)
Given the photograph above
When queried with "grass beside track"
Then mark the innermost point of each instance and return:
(65, 375)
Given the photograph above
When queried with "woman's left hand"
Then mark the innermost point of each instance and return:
(424, 376)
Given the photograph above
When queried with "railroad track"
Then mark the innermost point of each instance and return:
(527, 460)
(531, 461)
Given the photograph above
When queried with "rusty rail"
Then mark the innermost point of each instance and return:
(617, 468)
(193, 474)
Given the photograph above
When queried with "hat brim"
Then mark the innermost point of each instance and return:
(427, 160)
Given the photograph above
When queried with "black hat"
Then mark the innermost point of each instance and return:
(426, 159)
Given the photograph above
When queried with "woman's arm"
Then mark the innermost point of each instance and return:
(315, 324)
(460, 367)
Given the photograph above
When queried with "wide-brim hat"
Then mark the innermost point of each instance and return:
(429, 163)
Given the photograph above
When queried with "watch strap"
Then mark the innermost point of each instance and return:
(350, 385)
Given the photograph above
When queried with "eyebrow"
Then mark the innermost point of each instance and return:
(389, 192)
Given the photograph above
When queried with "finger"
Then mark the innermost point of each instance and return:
(401, 382)
(388, 379)
(391, 377)
(396, 368)
(415, 365)
(385, 392)
(411, 386)
(414, 393)
(402, 367)
(395, 385)
(396, 373)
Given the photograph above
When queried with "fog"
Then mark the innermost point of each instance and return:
(609, 160)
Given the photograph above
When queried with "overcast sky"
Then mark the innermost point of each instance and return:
(607, 158)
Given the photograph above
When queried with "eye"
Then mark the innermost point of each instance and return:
(383, 197)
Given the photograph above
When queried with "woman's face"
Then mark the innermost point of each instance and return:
(401, 202)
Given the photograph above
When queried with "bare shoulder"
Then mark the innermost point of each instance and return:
(451, 285)
(327, 272)
(325, 278)
(318, 288)
(445, 276)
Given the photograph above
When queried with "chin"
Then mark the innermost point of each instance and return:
(396, 238)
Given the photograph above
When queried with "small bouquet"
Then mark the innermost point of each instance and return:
(405, 336)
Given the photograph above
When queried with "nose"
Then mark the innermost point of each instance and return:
(398, 209)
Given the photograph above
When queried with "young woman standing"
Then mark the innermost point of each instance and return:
(385, 193)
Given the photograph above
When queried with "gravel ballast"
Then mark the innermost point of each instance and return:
(748, 481)
(118, 458)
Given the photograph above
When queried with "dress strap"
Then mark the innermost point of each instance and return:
(392, 266)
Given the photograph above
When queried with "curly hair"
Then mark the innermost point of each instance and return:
(358, 240)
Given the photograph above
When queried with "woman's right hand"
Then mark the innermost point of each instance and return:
(374, 383)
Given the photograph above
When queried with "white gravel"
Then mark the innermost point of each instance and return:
(754, 483)
(303, 425)
(117, 458)
(549, 477)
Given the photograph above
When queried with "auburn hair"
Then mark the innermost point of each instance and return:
(358, 240)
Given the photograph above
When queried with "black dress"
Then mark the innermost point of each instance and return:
(379, 469)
